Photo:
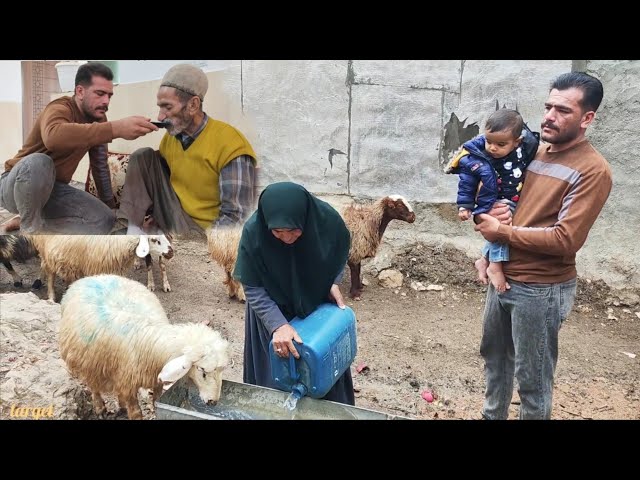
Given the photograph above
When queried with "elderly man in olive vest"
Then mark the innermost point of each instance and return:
(204, 173)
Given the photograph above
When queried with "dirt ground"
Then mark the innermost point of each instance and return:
(411, 341)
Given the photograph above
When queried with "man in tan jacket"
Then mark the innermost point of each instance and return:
(567, 184)
(35, 184)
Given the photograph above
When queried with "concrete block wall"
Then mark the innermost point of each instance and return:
(366, 128)
(301, 111)
(388, 118)
(610, 252)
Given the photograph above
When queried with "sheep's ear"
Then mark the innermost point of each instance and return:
(173, 371)
(142, 250)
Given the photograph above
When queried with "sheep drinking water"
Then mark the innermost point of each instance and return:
(115, 336)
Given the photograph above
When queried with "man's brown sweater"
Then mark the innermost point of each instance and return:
(66, 135)
(562, 197)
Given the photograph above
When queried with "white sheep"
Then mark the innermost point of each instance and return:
(115, 337)
(367, 224)
(75, 256)
(223, 245)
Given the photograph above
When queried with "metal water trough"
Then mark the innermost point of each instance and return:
(241, 401)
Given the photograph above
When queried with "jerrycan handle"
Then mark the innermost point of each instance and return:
(298, 390)
(292, 367)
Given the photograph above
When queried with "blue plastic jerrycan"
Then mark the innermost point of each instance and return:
(328, 349)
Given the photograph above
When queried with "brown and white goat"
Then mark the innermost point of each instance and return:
(367, 224)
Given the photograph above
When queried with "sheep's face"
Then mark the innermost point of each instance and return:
(209, 383)
(397, 208)
(160, 245)
(206, 372)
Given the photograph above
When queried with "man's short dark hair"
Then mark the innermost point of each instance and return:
(87, 71)
(591, 88)
(505, 119)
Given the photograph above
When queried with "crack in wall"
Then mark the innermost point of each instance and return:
(241, 88)
(446, 132)
(413, 87)
(350, 81)
(441, 122)
(462, 62)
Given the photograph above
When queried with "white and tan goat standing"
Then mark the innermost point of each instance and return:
(115, 337)
(367, 224)
(162, 264)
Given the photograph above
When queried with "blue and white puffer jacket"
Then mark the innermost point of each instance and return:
(501, 178)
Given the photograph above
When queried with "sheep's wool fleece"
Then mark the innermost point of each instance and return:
(297, 277)
(115, 310)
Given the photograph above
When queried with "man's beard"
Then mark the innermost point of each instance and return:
(90, 114)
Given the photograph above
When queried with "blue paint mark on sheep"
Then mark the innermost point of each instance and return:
(107, 296)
